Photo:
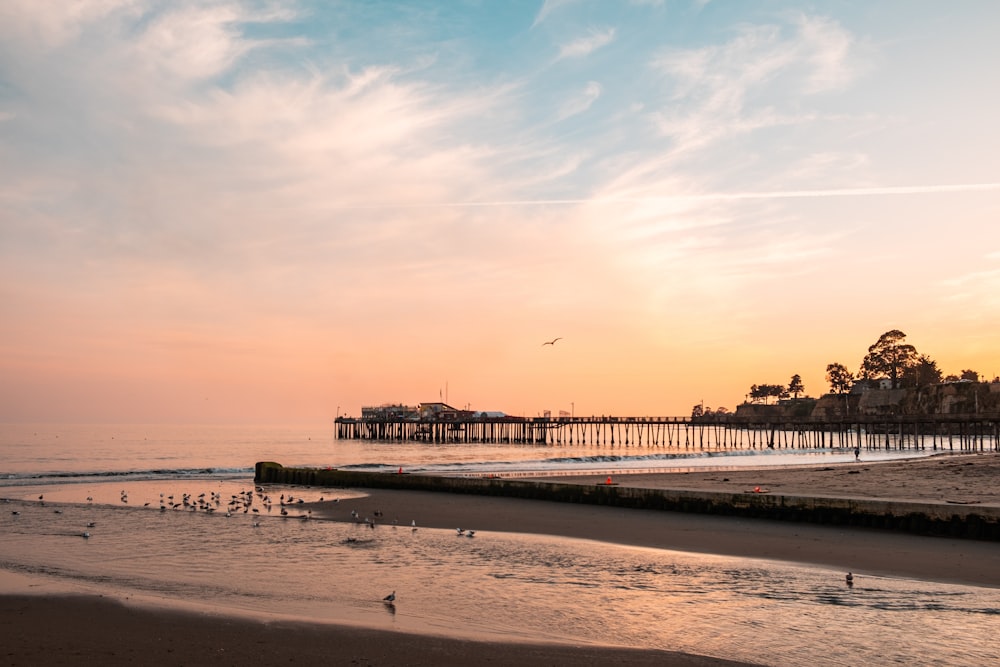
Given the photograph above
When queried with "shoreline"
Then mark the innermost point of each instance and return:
(861, 550)
(878, 551)
(948, 496)
(115, 630)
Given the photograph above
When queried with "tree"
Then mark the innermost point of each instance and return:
(839, 377)
(971, 376)
(924, 372)
(765, 391)
(795, 386)
(697, 411)
(888, 358)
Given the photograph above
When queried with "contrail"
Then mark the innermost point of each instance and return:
(709, 196)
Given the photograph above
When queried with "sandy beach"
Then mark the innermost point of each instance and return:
(73, 630)
(101, 629)
(949, 478)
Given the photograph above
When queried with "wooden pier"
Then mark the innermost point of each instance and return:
(967, 433)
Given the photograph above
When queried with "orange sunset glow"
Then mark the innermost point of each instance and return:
(218, 213)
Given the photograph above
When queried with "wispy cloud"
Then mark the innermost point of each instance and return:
(549, 6)
(581, 102)
(584, 46)
(725, 196)
(713, 89)
(52, 26)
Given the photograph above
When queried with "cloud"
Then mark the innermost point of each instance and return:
(584, 46)
(974, 292)
(549, 6)
(191, 44)
(713, 91)
(181, 157)
(54, 25)
(829, 51)
(731, 196)
(581, 102)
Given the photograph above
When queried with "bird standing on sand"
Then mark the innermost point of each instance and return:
(551, 342)
(390, 598)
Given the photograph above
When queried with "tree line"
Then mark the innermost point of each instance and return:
(890, 358)
(894, 360)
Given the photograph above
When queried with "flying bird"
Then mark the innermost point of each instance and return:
(551, 342)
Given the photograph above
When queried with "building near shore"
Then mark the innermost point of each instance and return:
(434, 411)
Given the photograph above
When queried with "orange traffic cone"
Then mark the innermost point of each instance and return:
(608, 481)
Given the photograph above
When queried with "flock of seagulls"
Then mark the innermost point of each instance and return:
(247, 502)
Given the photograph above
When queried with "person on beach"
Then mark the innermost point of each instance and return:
(857, 453)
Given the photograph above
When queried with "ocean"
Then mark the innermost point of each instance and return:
(60, 482)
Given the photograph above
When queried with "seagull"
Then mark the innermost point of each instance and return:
(461, 531)
(471, 533)
(551, 342)
(390, 598)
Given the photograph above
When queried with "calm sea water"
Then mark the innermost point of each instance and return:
(506, 586)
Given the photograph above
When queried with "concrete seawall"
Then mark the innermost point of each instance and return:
(941, 519)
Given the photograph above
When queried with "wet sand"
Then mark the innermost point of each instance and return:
(57, 630)
(72, 630)
(839, 548)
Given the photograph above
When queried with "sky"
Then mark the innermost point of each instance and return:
(280, 212)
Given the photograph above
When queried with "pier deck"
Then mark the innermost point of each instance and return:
(979, 432)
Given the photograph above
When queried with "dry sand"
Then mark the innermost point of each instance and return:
(50, 630)
(950, 478)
